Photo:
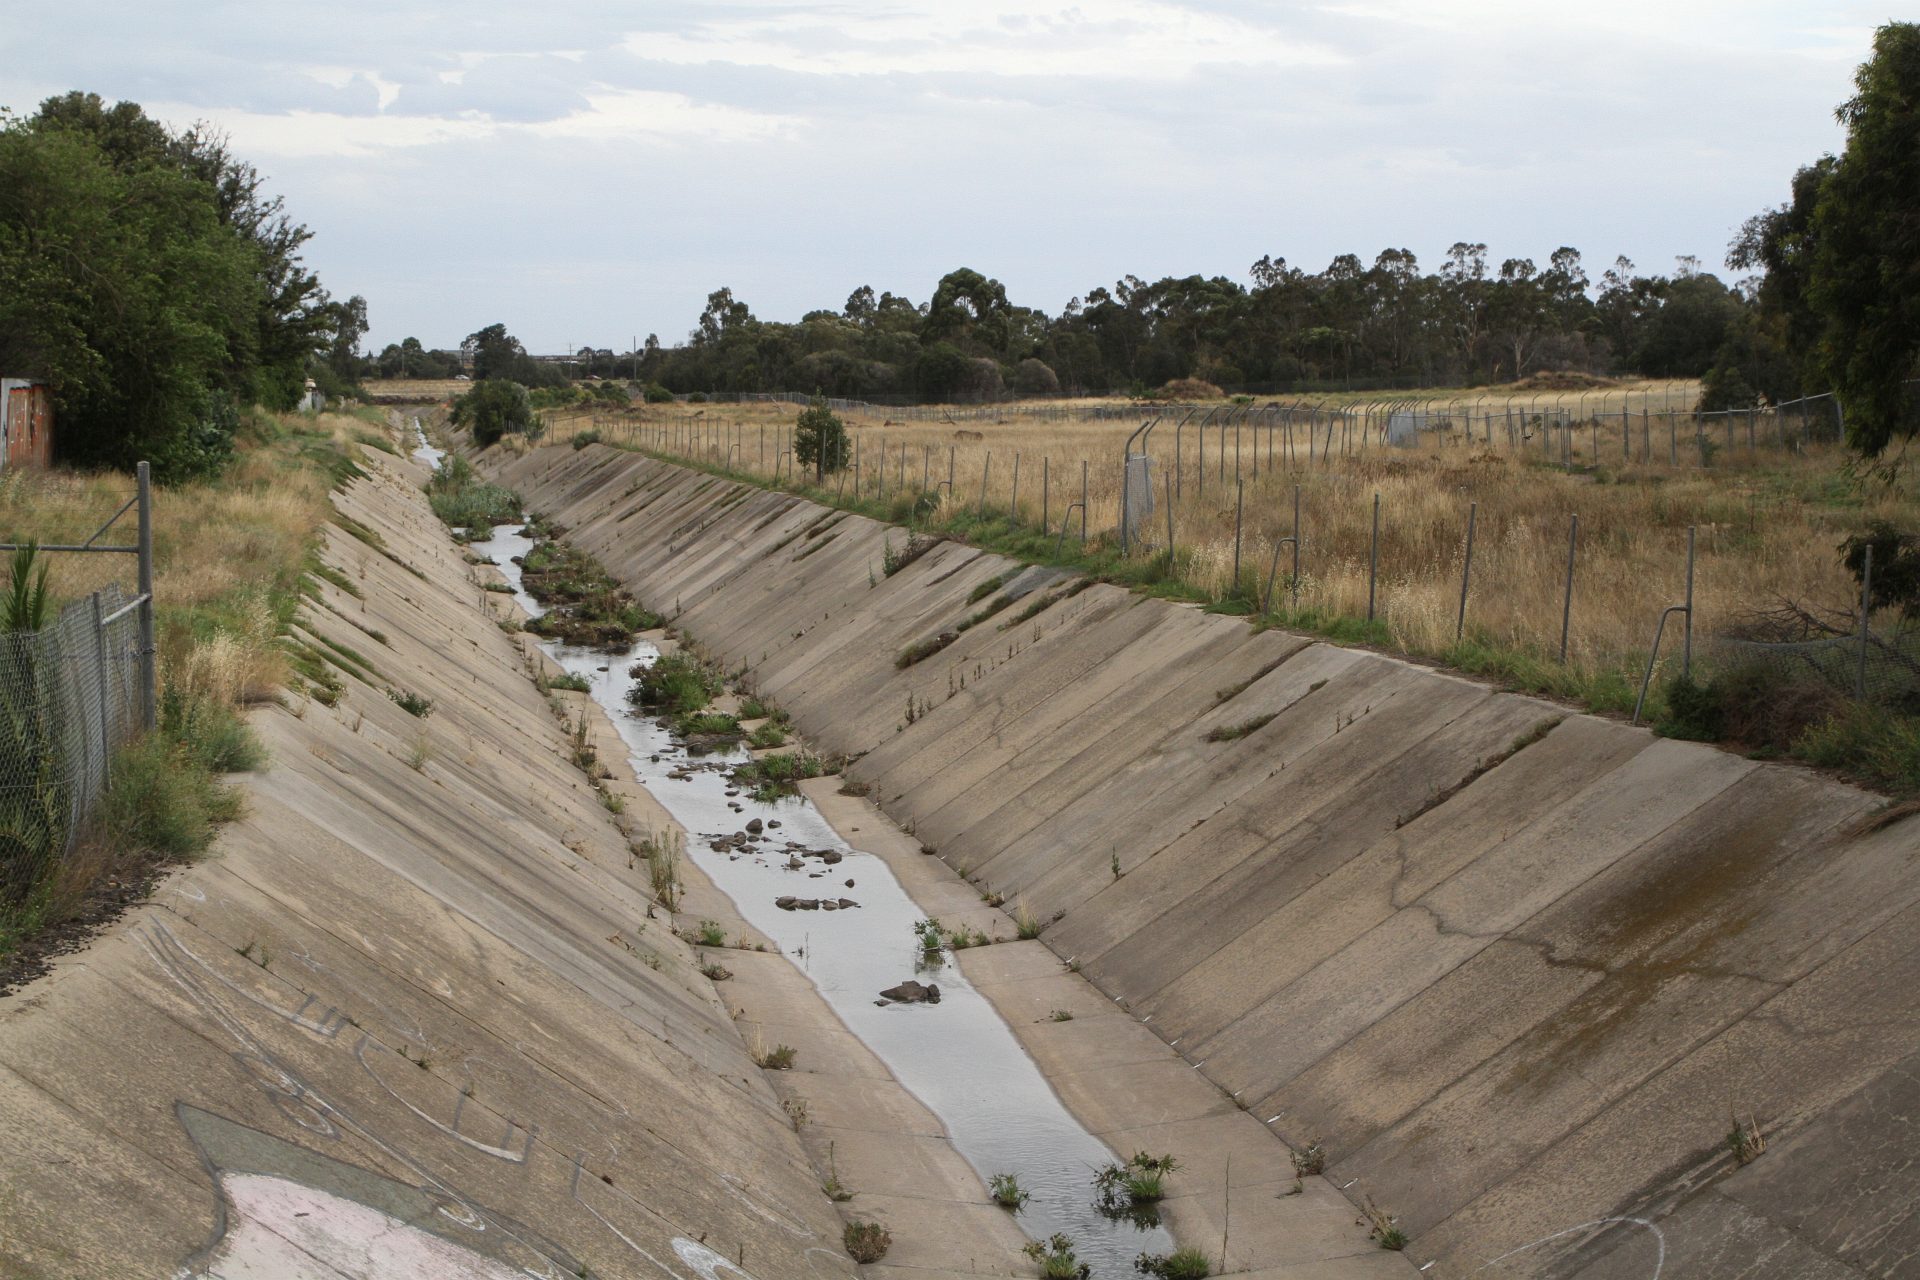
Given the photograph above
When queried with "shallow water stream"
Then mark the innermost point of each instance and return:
(958, 1056)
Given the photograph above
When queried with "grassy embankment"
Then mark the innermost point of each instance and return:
(1768, 527)
(233, 557)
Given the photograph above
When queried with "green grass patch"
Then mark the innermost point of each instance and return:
(676, 684)
(463, 500)
(773, 777)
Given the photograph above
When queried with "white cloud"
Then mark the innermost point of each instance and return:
(647, 113)
(1116, 39)
(633, 114)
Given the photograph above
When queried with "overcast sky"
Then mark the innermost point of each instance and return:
(588, 171)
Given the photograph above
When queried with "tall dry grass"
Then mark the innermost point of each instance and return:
(1768, 523)
(229, 554)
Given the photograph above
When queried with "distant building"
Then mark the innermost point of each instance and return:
(26, 423)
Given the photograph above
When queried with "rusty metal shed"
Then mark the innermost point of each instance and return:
(26, 423)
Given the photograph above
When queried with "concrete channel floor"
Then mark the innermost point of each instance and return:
(1120, 1080)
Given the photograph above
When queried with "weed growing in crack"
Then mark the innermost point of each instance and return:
(778, 1058)
(1745, 1142)
(663, 851)
(1385, 1229)
(866, 1241)
(835, 1190)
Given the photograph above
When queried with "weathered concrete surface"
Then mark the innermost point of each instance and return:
(1515, 968)
(403, 1021)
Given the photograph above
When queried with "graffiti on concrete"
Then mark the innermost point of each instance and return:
(287, 1211)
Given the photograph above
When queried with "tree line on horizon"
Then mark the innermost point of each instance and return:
(1832, 303)
(1387, 324)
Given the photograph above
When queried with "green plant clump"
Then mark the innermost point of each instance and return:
(1007, 1192)
(464, 501)
(1056, 1259)
(773, 777)
(866, 1241)
(1181, 1264)
(674, 684)
(1142, 1180)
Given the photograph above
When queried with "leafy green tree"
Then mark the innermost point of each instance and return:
(1865, 277)
(149, 278)
(820, 439)
(492, 409)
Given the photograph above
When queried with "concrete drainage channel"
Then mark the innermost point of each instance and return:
(958, 1056)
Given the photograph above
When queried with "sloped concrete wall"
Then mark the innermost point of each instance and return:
(411, 1017)
(1517, 968)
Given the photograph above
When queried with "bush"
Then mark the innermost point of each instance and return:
(581, 439)
(1694, 712)
(492, 409)
(1191, 389)
(820, 439)
(677, 684)
(657, 394)
(1033, 378)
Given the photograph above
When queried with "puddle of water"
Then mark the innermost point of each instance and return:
(958, 1057)
(426, 452)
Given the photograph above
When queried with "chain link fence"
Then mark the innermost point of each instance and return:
(70, 694)
(1881, 666)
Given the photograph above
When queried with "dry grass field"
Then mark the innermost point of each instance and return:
(1768, 527)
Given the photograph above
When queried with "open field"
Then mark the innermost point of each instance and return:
(1767, 529)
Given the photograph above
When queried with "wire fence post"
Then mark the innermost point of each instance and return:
(148, 705)
(1466, 574)
(100, 674)
(1239, 505)
(1566, 604)
(1083, 503)
(1169, 526)
(1294, 591)
(1045, 478)
(1373, 558)
(1866, 606)
(986, 467)
(1686, 651)
(1013, 507)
